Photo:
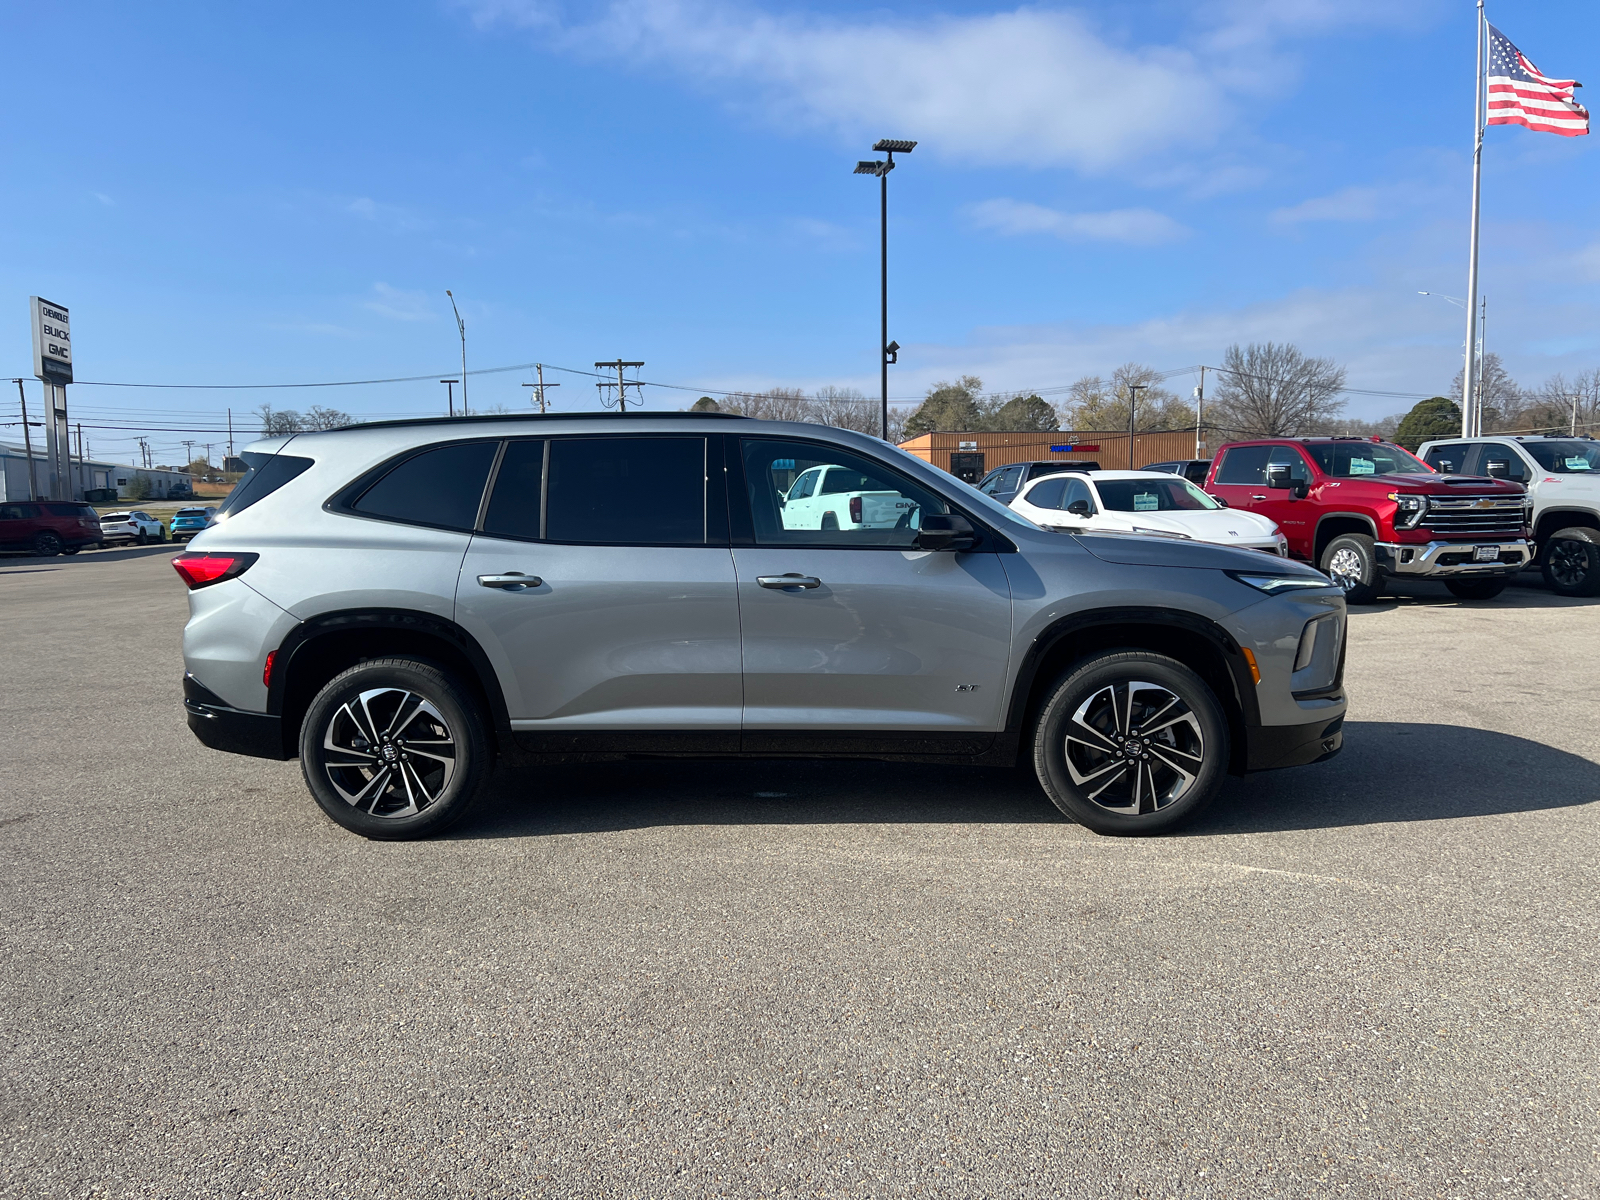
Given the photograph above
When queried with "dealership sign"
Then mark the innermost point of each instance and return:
(1071, 449)
(52, 341)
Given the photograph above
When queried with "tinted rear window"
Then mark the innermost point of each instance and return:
(442, 486)
(266, 473)
(627, 491)
(518, 487)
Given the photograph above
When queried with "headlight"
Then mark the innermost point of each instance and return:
(1408, 509)
(1276, 585)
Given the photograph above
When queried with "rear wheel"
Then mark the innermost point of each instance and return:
(1351, 562)
(395, 749)
(46, 544)
(829, 521)
(1131, 743)
(1476, 589)
(70, 549)
(1572, 562)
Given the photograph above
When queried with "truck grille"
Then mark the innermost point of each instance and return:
(1474, 516)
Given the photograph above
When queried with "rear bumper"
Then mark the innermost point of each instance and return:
(1268, 747)
(1453, 559)
(259, 735)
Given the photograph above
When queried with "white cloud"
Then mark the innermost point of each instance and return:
(104, 199)
(398, 305)
(395, 217)
(1134, 226)
(1347, 204)
(1033, 87)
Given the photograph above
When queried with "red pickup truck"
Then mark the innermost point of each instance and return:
(1364, 510)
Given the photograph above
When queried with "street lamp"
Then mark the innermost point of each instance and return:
(1133, 403)
(461, 328)
(1457, 301)
(888, 147)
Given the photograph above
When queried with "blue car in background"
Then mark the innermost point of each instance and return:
(187, 522)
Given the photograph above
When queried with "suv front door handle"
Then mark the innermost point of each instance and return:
(1258, 497)
(511, 581)
(791, 580)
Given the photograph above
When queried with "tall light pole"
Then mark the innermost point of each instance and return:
(888, 351)
(1133, 403)
(461, 328)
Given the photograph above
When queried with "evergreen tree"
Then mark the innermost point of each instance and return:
(1439, 417)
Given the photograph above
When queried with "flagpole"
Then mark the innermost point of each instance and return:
(1470, 417)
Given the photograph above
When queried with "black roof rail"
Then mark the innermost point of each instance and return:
(400, 422)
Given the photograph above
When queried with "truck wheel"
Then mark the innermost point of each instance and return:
(829, 521)
(1476, 589)
(1572, 562)
(1131, 743)
(1351, 562)
(395, 749)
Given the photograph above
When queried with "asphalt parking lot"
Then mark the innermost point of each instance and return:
(1373, 977)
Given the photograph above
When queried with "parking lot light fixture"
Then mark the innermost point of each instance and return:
(888, 147)
(449, 395)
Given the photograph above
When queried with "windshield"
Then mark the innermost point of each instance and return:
(1344, 460)
(1565, 458)
(1152, 495)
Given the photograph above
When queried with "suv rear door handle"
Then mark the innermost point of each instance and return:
(791, 580)
(511, 581)
(1258, 497)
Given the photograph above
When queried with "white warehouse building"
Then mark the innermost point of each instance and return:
(88, 475)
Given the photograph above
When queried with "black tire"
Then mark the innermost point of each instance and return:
(70, 549)
(1351, 562)
(830, 522)
(1476, 589)
(387, 780)
(46, 544)
(1572, 562)
(1177, 770)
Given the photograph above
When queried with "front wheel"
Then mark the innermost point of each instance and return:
(1131, 743)
(46, 544)
(395, 749)
(1351, 561)
(1572, 562)
(1476, 589)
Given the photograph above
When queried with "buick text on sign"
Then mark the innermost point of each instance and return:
(52, 341)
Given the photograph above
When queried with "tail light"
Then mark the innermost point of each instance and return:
(855, 509)
(202, 570)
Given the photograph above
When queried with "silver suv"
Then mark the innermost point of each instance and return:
(399, 604)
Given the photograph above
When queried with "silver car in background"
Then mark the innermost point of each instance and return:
(400, 604)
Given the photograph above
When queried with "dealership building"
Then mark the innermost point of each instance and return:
(88, 475)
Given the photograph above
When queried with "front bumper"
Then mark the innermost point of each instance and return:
(1268, 747)
(1453, 559)
(259, 735)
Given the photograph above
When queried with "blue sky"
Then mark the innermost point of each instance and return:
(283, 193)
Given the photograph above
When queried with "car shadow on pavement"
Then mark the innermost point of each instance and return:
(1388, 771)
(1526, 591)
(83, 557)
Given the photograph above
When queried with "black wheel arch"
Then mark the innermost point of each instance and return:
(1332, 525)
(1555, 520)
(322, 646)
(1197, 642)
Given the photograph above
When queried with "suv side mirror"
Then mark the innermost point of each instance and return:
(1278, 475)
(1079, 508)
(1221, 503)
(945, 531)
(1498, 468)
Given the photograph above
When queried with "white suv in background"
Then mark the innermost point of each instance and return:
(137, 527)
(1562, 475)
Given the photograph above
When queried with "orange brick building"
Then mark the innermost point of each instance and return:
(971, 456)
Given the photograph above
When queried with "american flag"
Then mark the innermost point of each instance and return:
(1520, 95)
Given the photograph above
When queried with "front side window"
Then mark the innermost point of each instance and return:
(1451, 459)
(804, 486)
(1298, 471)
(878, 508)
(1046, 494)
(1566, 458)
(1497, 452)
(1078, 492)
(1352, 460)
(1244, 464)
(1153, 495)
(14, 512)
(441, 487)
(628, 491)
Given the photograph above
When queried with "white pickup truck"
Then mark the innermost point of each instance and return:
(834, 497)
(1562, 475)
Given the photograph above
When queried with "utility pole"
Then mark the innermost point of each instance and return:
(1199, 413)
(541, 385)
(82, 470)
(188, 450)
(27, 443)
(622, 385)
(888, 352)
(1573, 432)
(230, 433)
(1133, 403)
(449, 395)
(461, 328)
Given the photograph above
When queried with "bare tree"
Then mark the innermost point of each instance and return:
(1273, 390)
(318, 417)
(284, 420)
(774, 404)
(1093, 403)
(1557, 406)
(1503, 400)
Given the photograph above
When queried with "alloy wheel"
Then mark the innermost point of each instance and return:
(1134, 747)
(389, 753)
(1344, 568)
(1569, 562)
